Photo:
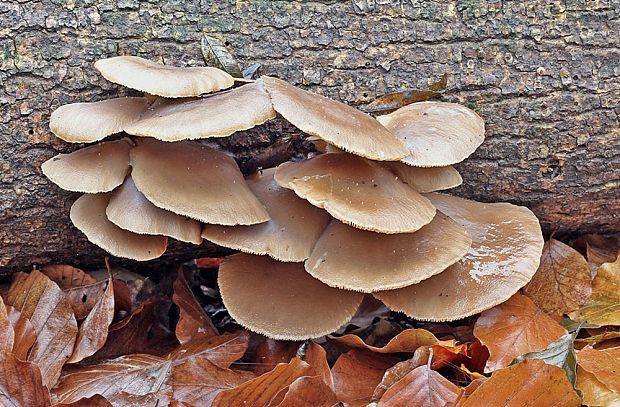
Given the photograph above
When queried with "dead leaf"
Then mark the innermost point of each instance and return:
(392, 101)
(309, 392)
(93, 332)
(316, 357)
(271, 352)
(193, 320)
(209, 262)
(6, 330)
(67, 276)
(420, 387)
(400, 370)
(562, 282)
(263, 389)
(21, 383)
(222, 350)
(95, 401)
(478, 356)
(41, 301)
(81, 290)
(215, 54)
(406, 341)
(604, 305)
(514, 328)
(529, 383)
(595, 393)
(24, 334)
(357, 373)
(604, 364)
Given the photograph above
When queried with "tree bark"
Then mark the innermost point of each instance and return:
(543, 74)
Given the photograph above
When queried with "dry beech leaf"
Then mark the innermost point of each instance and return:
(159, 399)
(356, 375)
(529, 383)
(193, 320)
(392, 101)
(24, 334)
(562, 282)
(514, 328)
(406, 341)
(41, 301)
(95, 401)
(316, 357)
(263, 389)
(81, 290)
(595, 393)
(93, 332)
(309, 391)
(400, 370)
(7, 335)
(222, 350)
(270, 352)
(603, 308)
(478, 356)
(20, 383)
(604, 364)
(421, 387)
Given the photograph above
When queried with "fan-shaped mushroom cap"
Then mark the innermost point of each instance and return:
(90, 122)
(291, 233)
(426, 179)
(436, 133)
(334, 122)
(281, 300)
(505, 253)
(358, 192)
(163, 80)
(359, 260)
(217, 115)
(193, 180)
(130, 210)
(98, 168)
(88, 215)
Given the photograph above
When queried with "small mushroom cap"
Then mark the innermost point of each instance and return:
(90, 122)
(359, 260)
(358, 192)
(163, 80)
(437, 134)
(291, 233)
(334, 122)
(130, 210)
(196, 181)
(217, 115)
(281, 300)
(426, 179)
(97, 168)
(505, 254)
(88, 215)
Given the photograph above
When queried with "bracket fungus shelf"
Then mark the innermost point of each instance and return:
(362, 217)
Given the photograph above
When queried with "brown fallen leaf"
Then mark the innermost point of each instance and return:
(81, 290)
(392, 101)
(21, 383)
(603, 308)
(357, 373)
(400, 370)
(316, 357)
(7, 335)
(421, 387)
(478, 356)
(270, 352)
(263, 389)
(309, 391)
(406, 341)
(595, 393)
(95, 401)
(514, 328)
(562, 282)
(222, 350)
(42, 302)
(24, 334)
(93, 332)
(604, 364)
(193, 320)
(528, 383)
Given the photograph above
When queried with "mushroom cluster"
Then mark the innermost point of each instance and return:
(315, 235)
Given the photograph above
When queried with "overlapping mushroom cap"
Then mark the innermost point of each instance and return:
(429, 179)
(436, 134)
(358, 192)
(162, 80)
(505, 254)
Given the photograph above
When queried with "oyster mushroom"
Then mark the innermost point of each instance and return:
(429, 179)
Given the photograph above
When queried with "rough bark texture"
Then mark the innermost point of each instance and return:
(543, 74)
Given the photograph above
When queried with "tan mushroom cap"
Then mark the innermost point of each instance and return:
(426, 179)
(196, 181)
(291, 233)
(163, 80)
(437, 134)
(280, 300)
(334, 122)
(357, 192)
(217, 115)
(359, 260)
(88, 215)
(98, 168)
(130, 210)
(90, 122)
(505, 253)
